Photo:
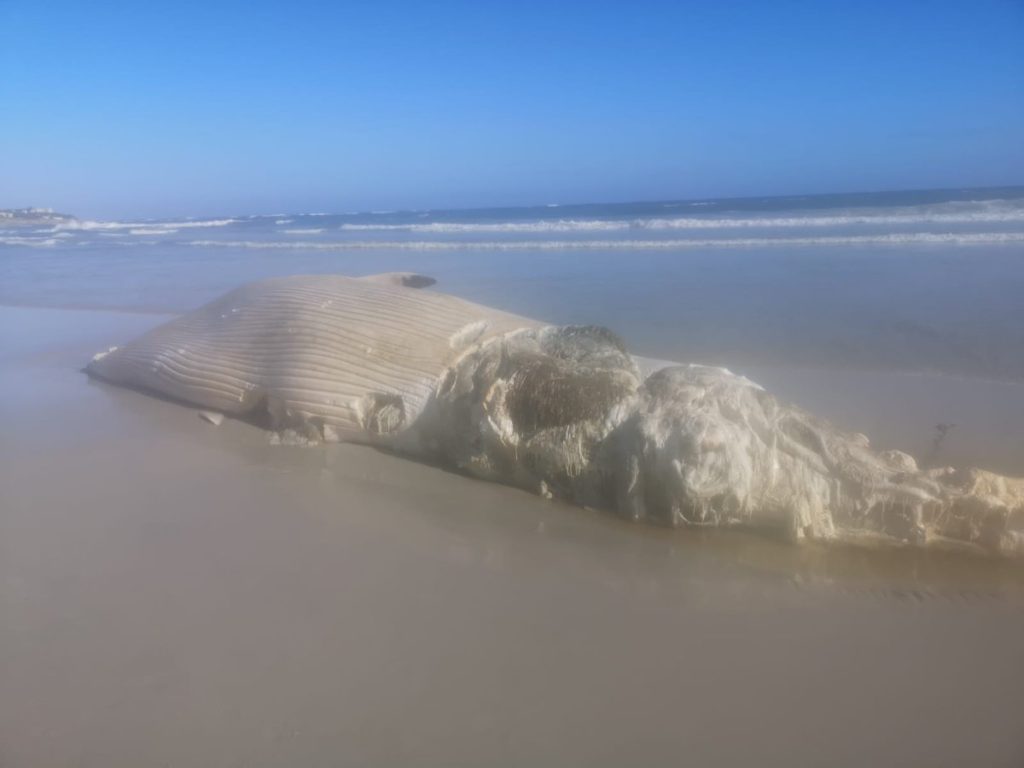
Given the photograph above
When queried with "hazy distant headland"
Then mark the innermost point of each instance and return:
(32, 216)
(853, 201)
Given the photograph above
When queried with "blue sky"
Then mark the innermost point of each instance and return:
(168, 109)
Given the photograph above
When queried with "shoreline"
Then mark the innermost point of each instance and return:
(793, 368)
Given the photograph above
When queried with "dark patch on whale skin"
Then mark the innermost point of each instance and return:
(581, 373)
(543, 394)
(416, 281)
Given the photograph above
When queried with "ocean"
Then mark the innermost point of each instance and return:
(911, 281)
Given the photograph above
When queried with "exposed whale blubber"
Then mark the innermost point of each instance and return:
(563, 411)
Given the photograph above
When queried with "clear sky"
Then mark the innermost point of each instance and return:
(175, 108)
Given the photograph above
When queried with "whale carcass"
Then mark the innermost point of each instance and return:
(564, 411)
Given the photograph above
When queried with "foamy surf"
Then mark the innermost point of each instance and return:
(889, 219)
(151, 227)
(916, 238)
(974, 214)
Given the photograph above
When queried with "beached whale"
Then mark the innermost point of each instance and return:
(566, 412)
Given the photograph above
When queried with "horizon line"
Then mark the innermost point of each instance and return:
(1016, 188)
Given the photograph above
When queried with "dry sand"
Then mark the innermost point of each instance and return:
(173, 593)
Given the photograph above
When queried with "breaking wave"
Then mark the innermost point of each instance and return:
(925, 238)
(987, 213)
(638, 226)
(137, 227)
(34, 242)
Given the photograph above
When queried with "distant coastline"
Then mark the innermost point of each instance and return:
(709, 205)
(32, 216)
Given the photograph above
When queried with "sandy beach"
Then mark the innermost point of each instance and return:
(175, 593)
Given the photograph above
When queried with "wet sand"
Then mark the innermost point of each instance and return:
(172, 593)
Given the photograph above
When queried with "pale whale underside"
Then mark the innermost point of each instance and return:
(310, 350)
(562, 411)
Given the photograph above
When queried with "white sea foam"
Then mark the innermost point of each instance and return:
(933, 223)
(32, 242)
(985, 213)
(843, 220)
(910, 238)
(153, 226)
(562, 225)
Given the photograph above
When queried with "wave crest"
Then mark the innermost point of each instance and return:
(923, 238)
(994, 212)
